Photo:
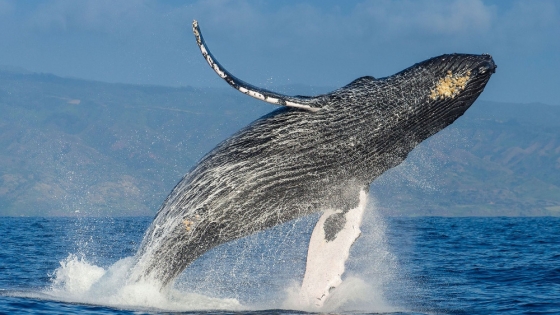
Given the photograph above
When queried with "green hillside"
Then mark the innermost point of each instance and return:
(74, 147)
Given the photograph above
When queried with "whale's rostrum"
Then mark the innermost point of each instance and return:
(313, 154)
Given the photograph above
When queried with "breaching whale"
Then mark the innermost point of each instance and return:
(313, 154)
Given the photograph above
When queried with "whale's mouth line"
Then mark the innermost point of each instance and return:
(481, 76)
(486, 67)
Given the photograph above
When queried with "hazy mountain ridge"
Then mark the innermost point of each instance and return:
(70, 145)
(499, 159)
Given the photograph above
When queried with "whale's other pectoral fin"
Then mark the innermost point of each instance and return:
(301, 102)
(329, 248)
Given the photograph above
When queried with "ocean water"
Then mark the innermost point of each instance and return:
(423, 265)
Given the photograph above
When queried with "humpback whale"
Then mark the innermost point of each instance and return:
(312, 154)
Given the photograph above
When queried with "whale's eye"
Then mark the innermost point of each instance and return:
(450, 85)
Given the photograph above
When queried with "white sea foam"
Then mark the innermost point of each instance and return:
(78, 281)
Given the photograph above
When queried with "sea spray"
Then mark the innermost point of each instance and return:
(370, 270)
(78, 281)
(249, 273)
(254, 269)
(75, 275)
(372, 267)
(256, 272)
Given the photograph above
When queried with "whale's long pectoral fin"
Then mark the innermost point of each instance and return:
(246, 88)
(329, 248)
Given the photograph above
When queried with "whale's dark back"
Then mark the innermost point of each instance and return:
(294, 162)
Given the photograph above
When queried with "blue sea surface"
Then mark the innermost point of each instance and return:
(427, 265)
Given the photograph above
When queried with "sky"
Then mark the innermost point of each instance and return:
(269, 44)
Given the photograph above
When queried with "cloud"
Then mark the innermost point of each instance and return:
(453, 18)
(426, 17)
(404, 23)
(90, 16)
(313, 42)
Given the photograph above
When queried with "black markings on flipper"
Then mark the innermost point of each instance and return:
(246, 88)
(334, 224)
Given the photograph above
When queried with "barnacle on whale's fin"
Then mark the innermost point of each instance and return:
(246, 88)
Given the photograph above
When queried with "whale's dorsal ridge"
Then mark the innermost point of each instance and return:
(360, 82)
(246, 88)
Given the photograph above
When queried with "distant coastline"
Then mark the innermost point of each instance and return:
(74, 147)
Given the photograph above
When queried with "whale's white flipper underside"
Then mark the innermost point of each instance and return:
(326, 257)
(244, 87)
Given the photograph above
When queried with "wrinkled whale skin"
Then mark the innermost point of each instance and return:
(294, 162)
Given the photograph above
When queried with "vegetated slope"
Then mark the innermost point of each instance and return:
(75, 147)
(70, 146)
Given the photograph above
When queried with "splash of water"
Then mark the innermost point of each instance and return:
(78, 281)
(260, 258)
(370, 269)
